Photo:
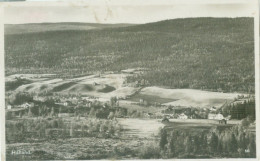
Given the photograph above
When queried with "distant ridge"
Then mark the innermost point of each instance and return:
(61, 26)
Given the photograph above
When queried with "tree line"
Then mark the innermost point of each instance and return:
(236, 142)
(240, 110)
(44, 129)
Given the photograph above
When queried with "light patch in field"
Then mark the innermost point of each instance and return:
(143, 128)
(115, 80)
(102, 86)
(190, 97)
(38, 86)
(33, 77)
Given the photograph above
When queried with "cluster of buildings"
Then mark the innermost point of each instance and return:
(25, 105)
(189, 113)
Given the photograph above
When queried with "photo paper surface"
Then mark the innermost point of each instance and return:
(130, 80)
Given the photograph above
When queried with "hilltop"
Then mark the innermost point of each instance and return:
(62, 26)
(199, 53)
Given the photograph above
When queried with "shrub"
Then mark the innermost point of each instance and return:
(149, 151)
(8, 115)
(245, 122)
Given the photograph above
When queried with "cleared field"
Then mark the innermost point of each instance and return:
(195, 125)
(109, 85)
(102, 86)
(130, 106)
(150, 98)
(204, 121)
(39, 86)
(141, 128)
(33, 77)
(148, 128)
(190, 97)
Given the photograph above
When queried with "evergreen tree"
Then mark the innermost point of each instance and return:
(30, 114)
(92, 112)
(233, 144)
(163, 140)
(213, 143)
(252, 146)
(188, 145)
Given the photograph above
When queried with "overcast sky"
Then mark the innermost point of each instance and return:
(121, 14)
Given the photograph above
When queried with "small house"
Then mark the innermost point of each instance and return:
(94, 84)
(219, 117)
(223, 121)
(165, 120)
(213, 109)
(27, 105)
(213, 116)
(141, 101)
(9, 107)
(183, 116)
(228, 117)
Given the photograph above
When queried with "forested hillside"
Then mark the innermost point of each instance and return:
(202, 53)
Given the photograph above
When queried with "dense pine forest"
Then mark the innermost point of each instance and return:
(203, 53)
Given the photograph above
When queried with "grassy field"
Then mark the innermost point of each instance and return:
(150, 98)
(192, 125)
(104, 86)
(189, 97)
(147, 128)
(141, 128)
(133, 106)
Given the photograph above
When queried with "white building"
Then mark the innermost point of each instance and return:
(9, 107)
(213, 116)
(213, 109)
(183, 116)
(219, 117)
(27, 105)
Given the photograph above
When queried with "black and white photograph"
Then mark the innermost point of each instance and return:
(122, 81)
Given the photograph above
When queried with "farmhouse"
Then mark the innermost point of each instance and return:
(183, 116)
(148, 115)
(38, 98)
(67, 103)
(89, 104)
(164, 120)
(213, 109)
(228, 117)
(94, 84)
(213, 116)
(168, 116)
(9, 107)
(65, 115)
(27, 105)
(158, 115)
(223, 121)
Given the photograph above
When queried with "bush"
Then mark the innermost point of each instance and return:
(8, 115)
(149, 151)
(245, 122)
